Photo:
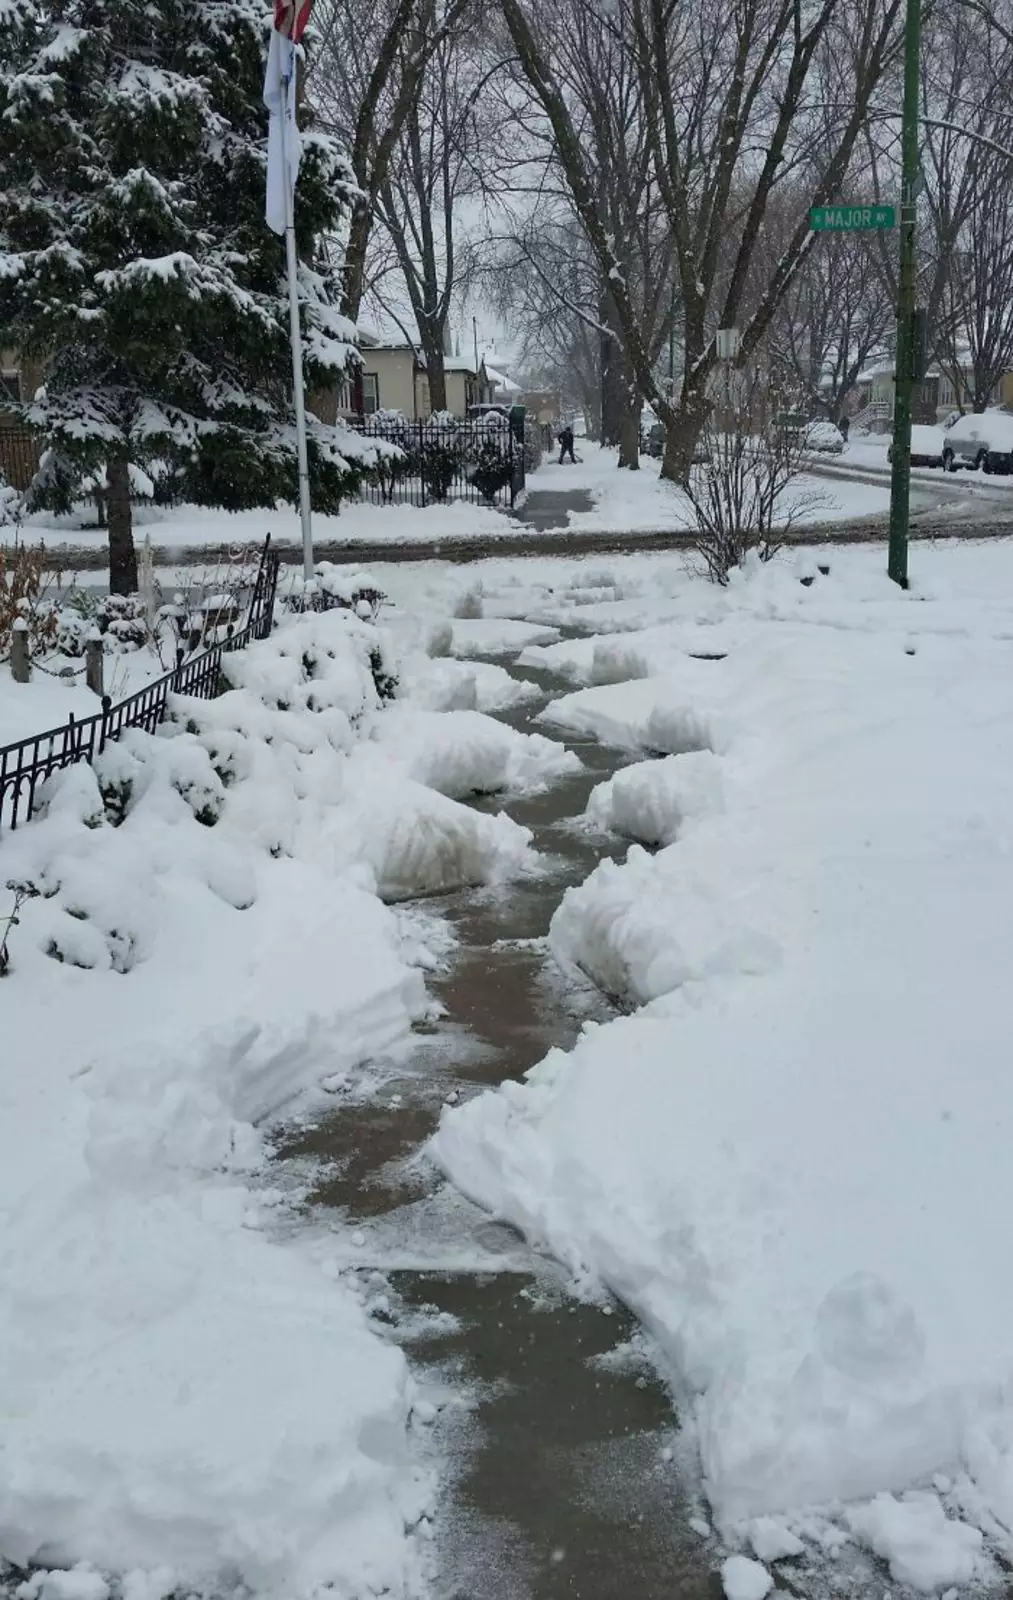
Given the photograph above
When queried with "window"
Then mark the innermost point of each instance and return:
(370, 392)
(10, 386)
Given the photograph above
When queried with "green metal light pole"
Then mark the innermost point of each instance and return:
(909, 339)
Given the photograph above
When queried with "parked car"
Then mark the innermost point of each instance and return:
(926, 445)
(823, 437)
(653, 444)
(982, 440)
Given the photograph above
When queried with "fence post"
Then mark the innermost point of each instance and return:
(94, 659)
(104, 724)
(422, 462)
(21, 661)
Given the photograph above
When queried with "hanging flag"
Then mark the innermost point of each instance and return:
(291, 17)
(283, 143)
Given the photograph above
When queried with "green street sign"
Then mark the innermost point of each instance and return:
(851, 219)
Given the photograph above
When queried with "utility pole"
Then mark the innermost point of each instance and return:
(910, 333)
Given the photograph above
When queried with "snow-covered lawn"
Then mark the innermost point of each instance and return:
(359, 522)
(192, 1398)
(793, 1158)
(626, 502)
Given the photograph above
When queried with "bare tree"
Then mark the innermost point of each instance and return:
(835, 317)
(367, 78)
(543, 281)
(436, 165)
(727, 88)
(600, 93)
(980, 347)
(742, 493)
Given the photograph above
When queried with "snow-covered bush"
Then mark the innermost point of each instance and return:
(123, 620)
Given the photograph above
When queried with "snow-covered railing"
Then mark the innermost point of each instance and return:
(25, 766)
(875, 411)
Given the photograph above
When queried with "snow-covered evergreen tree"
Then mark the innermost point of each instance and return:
(136, 261)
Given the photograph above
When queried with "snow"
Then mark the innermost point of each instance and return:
(462, 753)
(446, 685)
(743, 1579)
(196, 1397)
(498, 636)
(652, 801)
(772, 1541)
(642, 501)
(623, 501)
(925, 1548)
(184, 527)
(792, 1159)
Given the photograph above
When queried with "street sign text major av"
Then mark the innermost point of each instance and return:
(851, 219)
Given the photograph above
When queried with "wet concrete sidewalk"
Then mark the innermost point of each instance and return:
(566, 1480)
(546, 509)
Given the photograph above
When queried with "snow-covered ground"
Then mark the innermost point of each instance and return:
(359, 522)
(793, 1157)
(627, 502)
(193, 1397)
(642, 502)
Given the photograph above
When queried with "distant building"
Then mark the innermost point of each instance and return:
(394, 378)
(935, 397)
(544, 405)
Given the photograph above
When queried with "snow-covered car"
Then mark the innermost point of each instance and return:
(824, 437)
(982, 440)
(926, 445)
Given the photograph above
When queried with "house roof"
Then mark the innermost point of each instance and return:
(501, 381)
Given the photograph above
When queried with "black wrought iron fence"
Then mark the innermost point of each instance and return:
(25, 766)
(440, 461)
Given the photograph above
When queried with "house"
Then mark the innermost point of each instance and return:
(935, 397)
(394, 378)
(544, 405)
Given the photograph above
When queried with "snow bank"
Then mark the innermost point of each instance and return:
(450, 685)
(463, 753)
(496, 636)
(653, 715)
(419, 842)
(652, 800)
(187, 1395)
(794, 1163)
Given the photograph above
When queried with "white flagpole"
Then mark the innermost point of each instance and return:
(298, 390)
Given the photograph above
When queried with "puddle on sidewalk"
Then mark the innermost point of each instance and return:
(561, 1483)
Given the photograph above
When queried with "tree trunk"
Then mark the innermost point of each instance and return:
(683, 436)
(353, 276)
(432, 349)
(611, 391)
(122, 555)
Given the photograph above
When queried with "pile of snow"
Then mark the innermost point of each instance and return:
(652, 801)
(794, 1161)
(463, 753)
(496, 636)
(450, 685)
(190, 1398)
(649, 716)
